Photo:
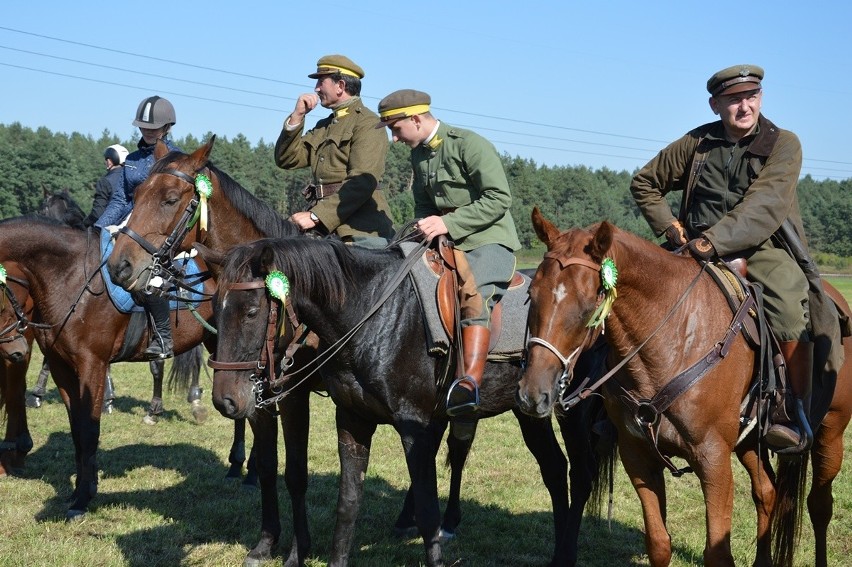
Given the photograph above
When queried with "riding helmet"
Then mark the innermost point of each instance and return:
(116, 154)
(154, 112)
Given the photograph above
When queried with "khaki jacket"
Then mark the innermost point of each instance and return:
(463, 180)
(344, 147)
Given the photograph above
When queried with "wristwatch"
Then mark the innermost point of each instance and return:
(314, 217)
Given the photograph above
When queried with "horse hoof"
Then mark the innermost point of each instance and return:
(150, 419)
(256, 561)
(75, 515)
(407, 532)
(445, 536)
(107, 408)
(33, 401)
(199, 412)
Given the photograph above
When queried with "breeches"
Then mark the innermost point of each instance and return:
(785, 293)
(491, 267)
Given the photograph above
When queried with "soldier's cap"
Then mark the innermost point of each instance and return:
(331, 64)
(735, 79)
(402, 104)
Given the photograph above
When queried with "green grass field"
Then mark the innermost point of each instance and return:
(163, 499)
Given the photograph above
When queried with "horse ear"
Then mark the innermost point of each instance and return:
(160, 150)
(210, 256)
(201, 156)
(544, 229)
(267, 259)
(602, 241)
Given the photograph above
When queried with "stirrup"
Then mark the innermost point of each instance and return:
(466, 407)
(157, 350)
(803, 428)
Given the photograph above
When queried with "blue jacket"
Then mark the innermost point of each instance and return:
(135, 171)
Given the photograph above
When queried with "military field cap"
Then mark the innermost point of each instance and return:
(331, 64)
(735, 79)
(401, 104)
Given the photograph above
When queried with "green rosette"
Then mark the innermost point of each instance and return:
(278, 285)
(2, 274)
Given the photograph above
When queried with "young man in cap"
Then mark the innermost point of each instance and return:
(738, 176)
(460, 190)
(345, 154)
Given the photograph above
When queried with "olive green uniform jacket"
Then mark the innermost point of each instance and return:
(343, 147)
(463, 180)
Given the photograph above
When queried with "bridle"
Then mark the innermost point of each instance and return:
(21, 323)
(263, 375)
(163, 258)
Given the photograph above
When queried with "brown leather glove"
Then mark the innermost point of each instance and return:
(675, 234)
(701, 249)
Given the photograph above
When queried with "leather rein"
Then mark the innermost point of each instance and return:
(646, 412)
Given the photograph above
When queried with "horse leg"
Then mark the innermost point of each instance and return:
(265, 430)
(354, 439)
(109, 394)
(17, 442)
(714, 472)
(83, 401)
(827, 458)
(155, 409)
(541, 441)
(295, 423)
(646, 475)
(237, 454)
(759, 468)
(40, 390)
(193, 396)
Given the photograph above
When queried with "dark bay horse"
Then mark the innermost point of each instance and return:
(702, 424)
(79, 330)
(16, 338)
(235, 216)
(377, 370)
(184, 373)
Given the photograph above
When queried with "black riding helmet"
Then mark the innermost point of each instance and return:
(154, 112)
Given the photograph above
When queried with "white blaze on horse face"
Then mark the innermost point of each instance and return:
(560, 293)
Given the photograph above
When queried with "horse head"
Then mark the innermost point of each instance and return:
(16, 307)
(569, 298)
(63, 208)
(170, 212)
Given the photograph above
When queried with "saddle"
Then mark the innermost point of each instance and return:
(456, 291)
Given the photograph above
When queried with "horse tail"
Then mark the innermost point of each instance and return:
(786, 519)
(185, 369)
(604, 477)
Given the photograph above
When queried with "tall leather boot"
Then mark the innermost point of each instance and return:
(463, 397)
(36, 394)
(161, 338)
(786, 433)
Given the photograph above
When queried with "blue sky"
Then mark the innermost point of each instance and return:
(600, 84)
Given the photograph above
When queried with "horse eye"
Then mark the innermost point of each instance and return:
(252, 313)
(171, 202)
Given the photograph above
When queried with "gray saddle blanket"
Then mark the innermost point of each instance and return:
(511, 342)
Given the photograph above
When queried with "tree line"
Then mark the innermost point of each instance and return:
(36, 162)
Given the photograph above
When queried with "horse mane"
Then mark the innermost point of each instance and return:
(264, 217)
(319, 268)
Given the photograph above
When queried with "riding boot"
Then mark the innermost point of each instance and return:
(161, 337)
(785, 432)
(40, 390)
(109, 394)
(463, 397)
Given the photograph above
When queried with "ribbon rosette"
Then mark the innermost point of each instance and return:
(204, 188)
(609, 278)
(2, 274)
(278, 285)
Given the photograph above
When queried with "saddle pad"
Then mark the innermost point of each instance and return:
(510, 345)
(122, 299)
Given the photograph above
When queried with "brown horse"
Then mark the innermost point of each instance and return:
(16, 338)
(80, 331)
(658, 330)
(163, 204)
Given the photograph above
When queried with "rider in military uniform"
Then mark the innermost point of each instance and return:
(460, 189)
(739, 178)
(345, 153)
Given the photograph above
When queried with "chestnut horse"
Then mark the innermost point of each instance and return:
(79, 329)
(702, 424)
(16, 338)
(234, 216)
(374, 361)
